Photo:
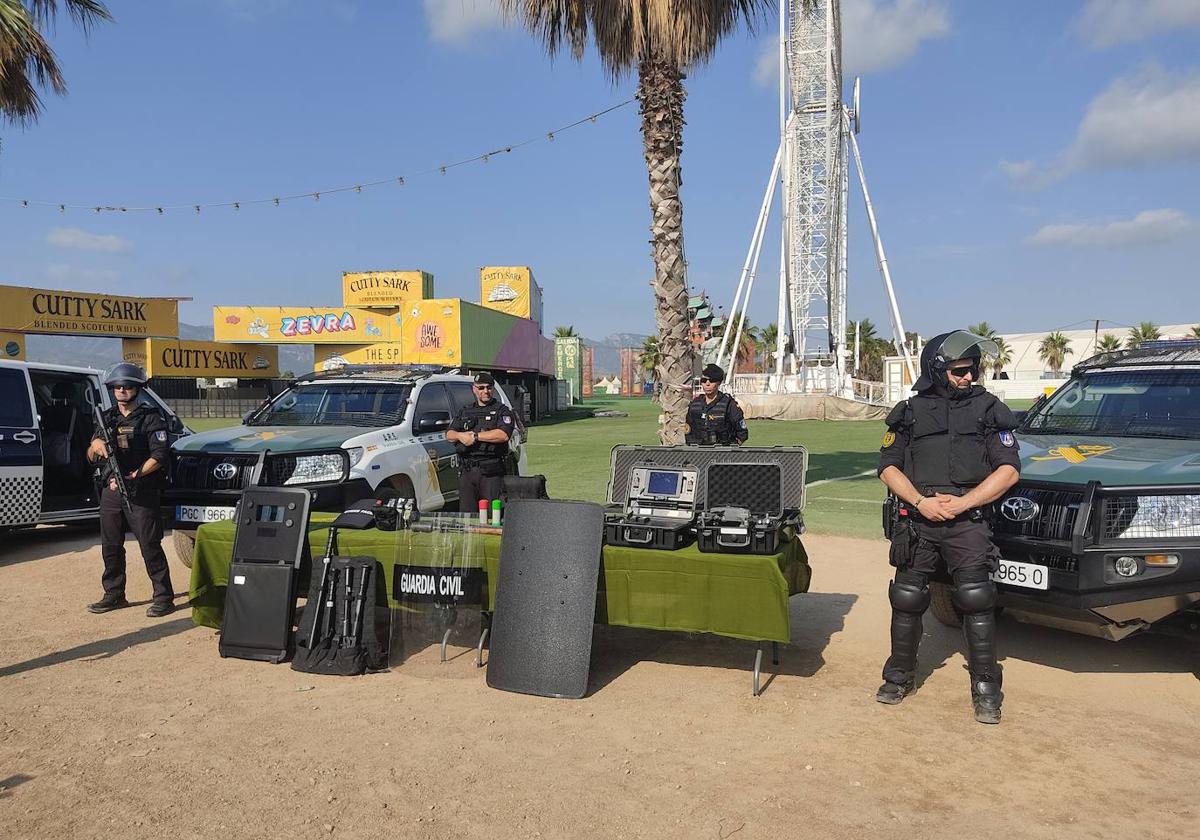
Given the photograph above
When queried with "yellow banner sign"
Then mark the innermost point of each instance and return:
(432, 332)
(86, 313)
(385, 288)
(329, 356)
(12, 346)
(303, 325)
(511, 289)
(171, 357)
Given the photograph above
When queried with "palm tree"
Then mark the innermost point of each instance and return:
(1145, 331)
(1053, 350)
(983, 328)
(564, 332)
(1195, 332)
(1003, 356)
(1108, 343)
(748, 345)
(26, 60)
(660, 40)
(648, 359)
(769, 336)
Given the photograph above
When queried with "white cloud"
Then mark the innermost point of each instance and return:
(455, 21)
(1146, 228)
(68, 276)
(80, 240)
(1103, 23)
(876, 35)
(1143, 120)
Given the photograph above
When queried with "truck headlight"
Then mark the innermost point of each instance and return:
(313, 469)
(1164, 517)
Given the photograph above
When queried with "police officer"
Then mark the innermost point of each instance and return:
(480, 434)
(142, 449)
(714, 418)
(948, 453)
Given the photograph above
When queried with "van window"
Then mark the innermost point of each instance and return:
(432, 398)
(14, 399)
(461, 396)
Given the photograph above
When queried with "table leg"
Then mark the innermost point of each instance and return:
(774, 653)
(479, 648)
(446, 641)
(757, 669)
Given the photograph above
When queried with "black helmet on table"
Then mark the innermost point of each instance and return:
(949, 347)
(125, 373)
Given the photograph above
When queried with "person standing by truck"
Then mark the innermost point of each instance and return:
(139, 434)
(480, 434)
(947, 454)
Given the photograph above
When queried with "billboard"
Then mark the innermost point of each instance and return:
(12, 346)
(327, 356)
(385, 288)
(86, 313)
(589, 372)
(568, 364)
(303, 325)
(432, 332)
(511, 289)
(173, 357)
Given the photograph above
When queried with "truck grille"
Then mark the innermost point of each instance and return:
(196, 471)
(1055, 520)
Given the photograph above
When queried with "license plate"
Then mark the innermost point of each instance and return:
(1028, 575)
(203, 513)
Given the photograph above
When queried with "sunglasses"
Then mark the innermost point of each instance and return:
(960, 372)
(124, 387)
(704, 379)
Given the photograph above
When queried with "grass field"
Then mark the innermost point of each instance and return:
(572, 451)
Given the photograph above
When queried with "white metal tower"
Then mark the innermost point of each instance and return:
(813, 166)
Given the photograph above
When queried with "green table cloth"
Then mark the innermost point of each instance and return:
(744, 596)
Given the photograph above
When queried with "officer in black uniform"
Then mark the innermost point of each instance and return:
(142, 449)
(948, 453)
(480, 434)
(714, 418)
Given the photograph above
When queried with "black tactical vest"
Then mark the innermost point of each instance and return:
(946, 440)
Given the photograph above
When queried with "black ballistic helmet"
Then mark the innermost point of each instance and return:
(946, 348)
(125, 373)
(713, 372)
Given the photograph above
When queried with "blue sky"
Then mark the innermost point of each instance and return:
(1033, 163)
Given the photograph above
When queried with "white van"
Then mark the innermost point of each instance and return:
(45, 429)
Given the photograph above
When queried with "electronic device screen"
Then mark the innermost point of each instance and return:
(663, 483)
(269, 513)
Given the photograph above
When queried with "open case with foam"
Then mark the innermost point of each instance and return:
(659, 509)
(752, 508)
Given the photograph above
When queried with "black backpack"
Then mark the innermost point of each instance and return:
(339, 630)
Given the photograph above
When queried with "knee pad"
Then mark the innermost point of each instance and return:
(974, 592)
(909, 592)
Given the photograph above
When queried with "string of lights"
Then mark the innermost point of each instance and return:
(315, 195)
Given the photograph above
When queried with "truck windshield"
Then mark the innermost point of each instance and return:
(1123, 403)
(335, 404)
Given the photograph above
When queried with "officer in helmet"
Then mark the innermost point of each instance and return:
(140, 434)
(948, 453)
(714, 418)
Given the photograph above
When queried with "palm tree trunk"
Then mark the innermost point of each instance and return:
(661, 95)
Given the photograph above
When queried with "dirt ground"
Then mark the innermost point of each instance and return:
(124, 726)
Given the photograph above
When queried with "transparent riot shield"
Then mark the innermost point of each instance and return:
(438, 582)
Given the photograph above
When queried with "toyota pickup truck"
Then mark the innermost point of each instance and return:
(343, 434)
(1101, 535)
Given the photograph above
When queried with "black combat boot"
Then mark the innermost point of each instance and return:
(986, 697)
(108, 603)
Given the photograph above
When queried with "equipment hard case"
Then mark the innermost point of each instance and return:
(746, 510)
(659, 510)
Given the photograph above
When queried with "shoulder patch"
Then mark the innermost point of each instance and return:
(741, 424)
(505, 419)
(1007, 439)
(888, 439)
(161, 437)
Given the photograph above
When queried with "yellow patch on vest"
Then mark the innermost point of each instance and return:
(687, 430)
(888, 439)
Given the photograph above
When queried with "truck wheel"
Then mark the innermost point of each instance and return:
(942, 606)
(401, 485)
(185, 546)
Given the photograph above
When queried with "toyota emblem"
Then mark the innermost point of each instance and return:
(224, 471)
(1019, 508)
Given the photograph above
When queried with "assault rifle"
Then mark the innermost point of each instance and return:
(114, 467)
